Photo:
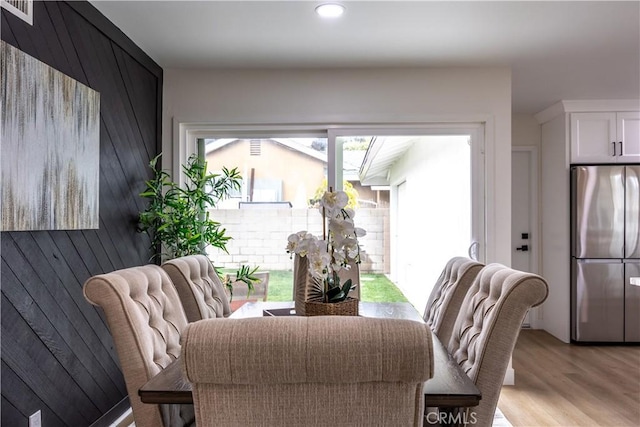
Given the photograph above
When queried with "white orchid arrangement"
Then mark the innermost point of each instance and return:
(335, 250)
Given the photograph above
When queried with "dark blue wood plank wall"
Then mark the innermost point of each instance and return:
(57, 352)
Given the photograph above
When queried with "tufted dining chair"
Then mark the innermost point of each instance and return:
(199, 287)
(146, 319)
(487, 327)
(448, 293)
(297, 371)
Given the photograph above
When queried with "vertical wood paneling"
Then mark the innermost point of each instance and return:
(57, 352)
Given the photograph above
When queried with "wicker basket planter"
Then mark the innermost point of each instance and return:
(348, 307)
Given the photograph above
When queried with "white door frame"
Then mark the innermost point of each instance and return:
(479, 127)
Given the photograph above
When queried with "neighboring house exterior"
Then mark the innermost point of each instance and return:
(430, 215)
(282, 170)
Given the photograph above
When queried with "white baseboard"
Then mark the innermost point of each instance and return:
(120, 415)
(509, 377)
(124, 420)
(510, 374)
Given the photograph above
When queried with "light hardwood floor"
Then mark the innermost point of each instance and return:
(560, 384)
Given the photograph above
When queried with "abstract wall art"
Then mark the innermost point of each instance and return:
(23, 9)
(49, 147)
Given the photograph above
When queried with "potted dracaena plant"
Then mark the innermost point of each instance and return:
(178, 220)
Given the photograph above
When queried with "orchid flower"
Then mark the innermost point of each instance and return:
(329, 256)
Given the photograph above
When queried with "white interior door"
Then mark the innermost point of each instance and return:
(524, 212)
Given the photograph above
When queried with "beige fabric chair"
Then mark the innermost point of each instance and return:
(200, 289)
(487, 328)
(145, 318)
(448, 293)
(302, 281)
(301, 371)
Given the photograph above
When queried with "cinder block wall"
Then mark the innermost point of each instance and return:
(260, 236)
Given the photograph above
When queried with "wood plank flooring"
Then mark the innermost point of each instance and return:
(560, 384)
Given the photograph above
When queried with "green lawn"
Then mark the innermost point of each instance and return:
(375, 288)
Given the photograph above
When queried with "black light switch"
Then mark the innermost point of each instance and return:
(525, 236)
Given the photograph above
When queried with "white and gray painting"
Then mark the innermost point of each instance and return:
(50, 147)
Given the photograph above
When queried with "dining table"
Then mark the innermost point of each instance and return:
(449, 387)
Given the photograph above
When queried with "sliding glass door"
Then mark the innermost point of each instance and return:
(419, 193)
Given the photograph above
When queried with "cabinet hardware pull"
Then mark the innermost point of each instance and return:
(614, 148)
(620, 149)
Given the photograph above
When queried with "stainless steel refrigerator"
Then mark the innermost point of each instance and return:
(605, 253)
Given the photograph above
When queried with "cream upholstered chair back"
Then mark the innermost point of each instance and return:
(487, 328)
(299, 371)
(302, 281)
(448, 293)
(200, 289)
(146, 319)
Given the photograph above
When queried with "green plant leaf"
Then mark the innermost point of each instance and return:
(346, 287)
(334, 294)
(176, 218)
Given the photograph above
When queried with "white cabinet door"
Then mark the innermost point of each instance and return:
(593, 138)
(605, 137)
(628, 130)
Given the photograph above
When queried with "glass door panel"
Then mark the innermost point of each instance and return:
(419, 186)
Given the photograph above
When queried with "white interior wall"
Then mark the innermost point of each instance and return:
(525, 130)
(358, 96)
(555, 261)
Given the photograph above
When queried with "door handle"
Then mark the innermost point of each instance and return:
(523, 248)
(614, 148)
(473, 251)
(620, 148)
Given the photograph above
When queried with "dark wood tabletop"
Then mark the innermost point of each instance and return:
(450, 387)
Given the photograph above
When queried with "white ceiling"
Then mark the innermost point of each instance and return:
(556, 50)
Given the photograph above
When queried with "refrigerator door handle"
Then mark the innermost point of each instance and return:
(632, 212)
(599, 260)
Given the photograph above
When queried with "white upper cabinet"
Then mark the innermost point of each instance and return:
(628, 127)
(605, 137)
(593, 137)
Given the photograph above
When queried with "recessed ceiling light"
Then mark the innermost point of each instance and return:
(330, 10)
